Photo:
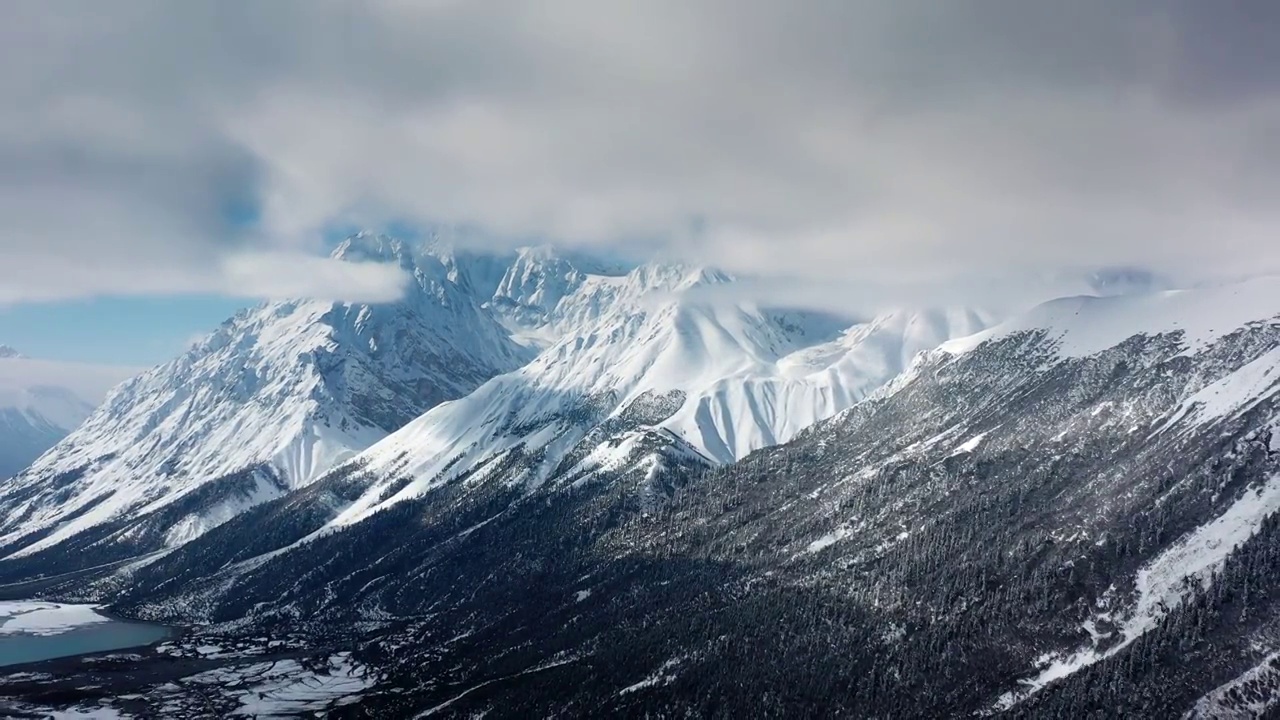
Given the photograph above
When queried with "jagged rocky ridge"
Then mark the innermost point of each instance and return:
(1070, 515)
(537, 349)
(268, 402)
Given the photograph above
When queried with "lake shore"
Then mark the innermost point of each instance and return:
(72, 630)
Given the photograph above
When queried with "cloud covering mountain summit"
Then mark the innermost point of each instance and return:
(833, 141)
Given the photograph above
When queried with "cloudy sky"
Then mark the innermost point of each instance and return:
(188, 156)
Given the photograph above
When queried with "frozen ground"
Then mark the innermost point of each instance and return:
(192, 678)
(280, 688)
(33, 617)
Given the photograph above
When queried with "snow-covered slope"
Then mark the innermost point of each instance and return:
(768, 404)
(1072, 515)
(1084, 325)
(43, 400)
(545, 294)
(640, 351)
(537, 359)
(293, 387)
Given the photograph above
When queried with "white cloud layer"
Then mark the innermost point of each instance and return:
(902, 145)
(281, 275)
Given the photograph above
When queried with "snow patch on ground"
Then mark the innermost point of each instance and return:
(1232, 395)
(615, 453)
(1251, 695)
(29, 617)
(664, 675)
(969, 445)
(194, 525)
(1163, 583)
(828, 540)
(284, 688)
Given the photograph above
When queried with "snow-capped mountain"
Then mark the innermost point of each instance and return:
(286, 390)
(638, 354)
(557, 363)
(1074, 513)
(41, 401)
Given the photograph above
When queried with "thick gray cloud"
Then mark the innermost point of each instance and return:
(904, 144)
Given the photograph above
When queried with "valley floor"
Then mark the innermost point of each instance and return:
(187, 677)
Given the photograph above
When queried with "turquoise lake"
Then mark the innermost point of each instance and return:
(73, 638)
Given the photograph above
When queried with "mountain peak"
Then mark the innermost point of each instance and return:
(290, 388)
(9, 352)
(675, 276)
(539, 278)
(367, 246)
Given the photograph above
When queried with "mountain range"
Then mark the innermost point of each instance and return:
(505, 352)
(545, 485)
(41, 401)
